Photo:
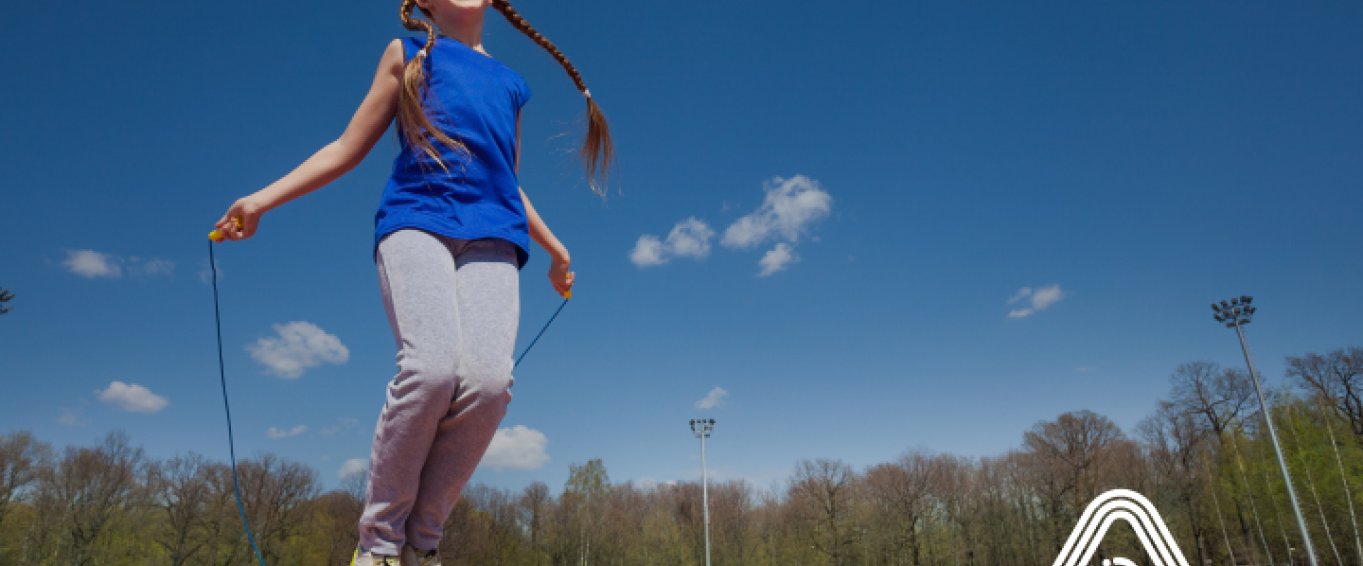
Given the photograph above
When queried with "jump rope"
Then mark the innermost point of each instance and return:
(217, 236)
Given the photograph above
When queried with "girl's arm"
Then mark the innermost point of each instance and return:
(559, 274)
(560, 262)
(371, 120)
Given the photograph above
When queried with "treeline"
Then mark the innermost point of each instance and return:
(1202, 457)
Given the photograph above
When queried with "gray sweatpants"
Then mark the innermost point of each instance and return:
(454, 306)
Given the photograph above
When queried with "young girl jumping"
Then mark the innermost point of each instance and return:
(451, 234)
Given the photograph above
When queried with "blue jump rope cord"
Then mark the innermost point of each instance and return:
(537, 336)
(222, 377)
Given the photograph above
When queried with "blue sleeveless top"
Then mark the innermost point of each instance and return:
(475, 100)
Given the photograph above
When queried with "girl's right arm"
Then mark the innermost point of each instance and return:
(371, 120)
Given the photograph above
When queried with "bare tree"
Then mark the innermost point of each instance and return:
(181, 488)
(1174, 445)
(5, 297)
(93, 491)
(822, 491)
(1338, 378)
(535, 504)
(273, 493)
(21, 459)
(1219, 397)
(1074, 443)
(899, 493)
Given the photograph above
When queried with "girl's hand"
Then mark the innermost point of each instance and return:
(241, 219)
(560, 276)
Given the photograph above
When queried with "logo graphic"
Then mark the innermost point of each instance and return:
(1137, 511)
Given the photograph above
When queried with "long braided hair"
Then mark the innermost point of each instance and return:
(597, 151)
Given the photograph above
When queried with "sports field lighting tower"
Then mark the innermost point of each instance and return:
(1234, 314)
(702, 429)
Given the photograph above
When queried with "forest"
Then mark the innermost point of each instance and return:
(1203, 457)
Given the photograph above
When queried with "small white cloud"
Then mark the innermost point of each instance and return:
(92, 264)
(153, 266)
(1039, 300)
(277, 433)
(341, 425)
(298, 346)
(352, 468)
(712, 399)
(1020, 295)
(648, 251)
(776, 259)
(1044, 297)
(517, 448)
(688, 238)
(789, 209)
(71, 417)
(133, 398)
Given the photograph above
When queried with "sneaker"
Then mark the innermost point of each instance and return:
(411, 556)
(371, 559)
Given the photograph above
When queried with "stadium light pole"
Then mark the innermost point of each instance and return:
(1234, 314)
(702, 428)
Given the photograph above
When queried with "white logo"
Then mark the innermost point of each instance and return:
(1137, 511)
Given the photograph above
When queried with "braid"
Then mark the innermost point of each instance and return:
(597, 150)
(413, 123)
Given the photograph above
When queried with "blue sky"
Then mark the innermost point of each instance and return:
(1127, 164)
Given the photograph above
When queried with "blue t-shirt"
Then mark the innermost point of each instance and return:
(475, 100)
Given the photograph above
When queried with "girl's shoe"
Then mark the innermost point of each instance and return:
(413, 557)
(371, 559)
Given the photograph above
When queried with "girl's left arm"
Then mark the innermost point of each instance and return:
(560, 274)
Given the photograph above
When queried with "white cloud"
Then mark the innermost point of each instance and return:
(648, 251)
(154, 266)
(133, 398)
(790, 208)
(277, 433)
(517, 448)
(712, 399)
(352, 468)
(1037, 299)
(688, 238)
(1044, 297)
(298, 346)
(92, 264)
(341, 425)
(71, 417)
(776, 259)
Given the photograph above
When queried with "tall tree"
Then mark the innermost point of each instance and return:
(1338, 378)
(93, 492)
(21, 459)
(181, 488)
(822, 491)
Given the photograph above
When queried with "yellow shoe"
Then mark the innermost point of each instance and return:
(371, 559)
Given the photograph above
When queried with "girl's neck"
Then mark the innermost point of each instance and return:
(474, 39)
(468, 31)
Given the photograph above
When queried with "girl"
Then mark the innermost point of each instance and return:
(452, 232)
